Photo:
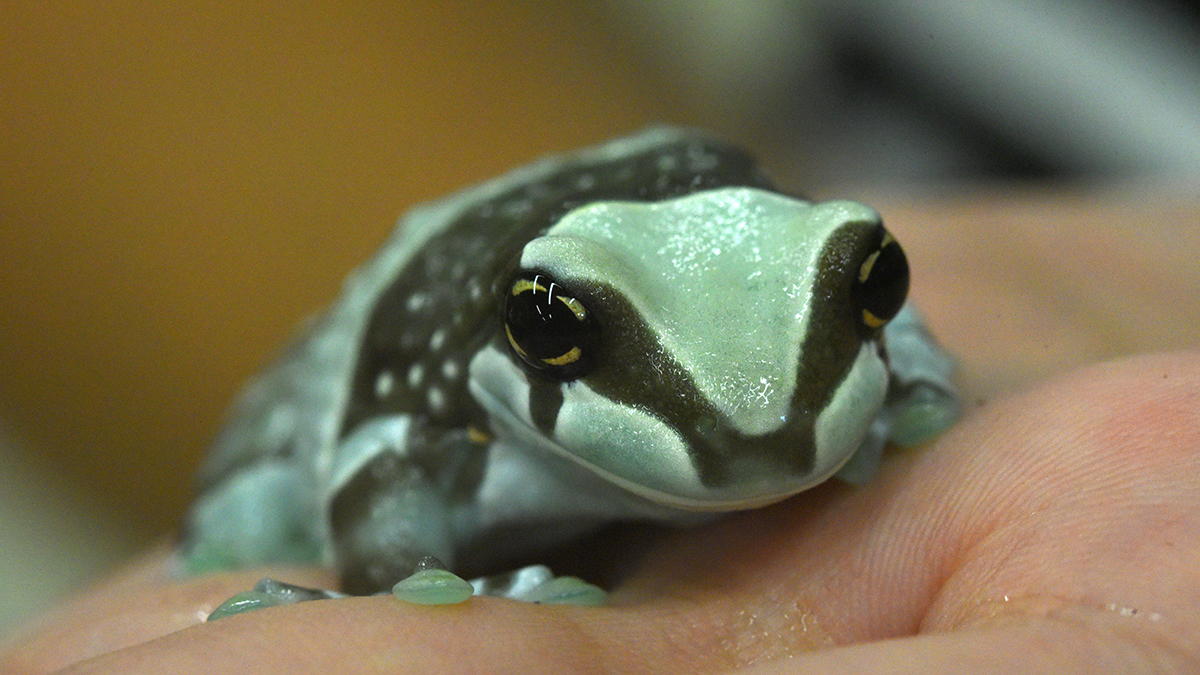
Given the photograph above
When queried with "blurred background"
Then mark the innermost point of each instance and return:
(181, 182)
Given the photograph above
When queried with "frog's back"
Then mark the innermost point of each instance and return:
(400, 336)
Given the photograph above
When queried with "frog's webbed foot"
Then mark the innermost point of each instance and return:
(269, 593)
(923, 400)
(432, 584)
(924, 412)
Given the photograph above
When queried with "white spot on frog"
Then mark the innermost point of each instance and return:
(416, 375)
(437, 339)
(385, 383)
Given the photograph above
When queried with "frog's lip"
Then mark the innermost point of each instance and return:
(493, 404)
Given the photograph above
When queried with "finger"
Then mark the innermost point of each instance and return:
(1082, 494)
(381, 635)
(1030, 648)
(1022, 288)
(1090, 496)
(842, 566)
(144, 602)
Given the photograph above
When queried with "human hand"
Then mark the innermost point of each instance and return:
(1054, 530)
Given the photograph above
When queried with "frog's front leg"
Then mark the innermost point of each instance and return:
(386, 524)
(397, 494)
(392, 528)
(385, 508)
(384, 521)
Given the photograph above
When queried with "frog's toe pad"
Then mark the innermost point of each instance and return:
(243, 602)
(268, 593)
(536, 583)
(433, 587)
(566, 591)
(924, 415)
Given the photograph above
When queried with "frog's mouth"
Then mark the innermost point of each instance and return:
(625, 447)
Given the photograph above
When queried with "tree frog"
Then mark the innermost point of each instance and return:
(646, 330)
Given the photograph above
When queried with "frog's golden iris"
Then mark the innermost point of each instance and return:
(549, 328)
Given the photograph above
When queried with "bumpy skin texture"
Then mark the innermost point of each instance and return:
(404, 424)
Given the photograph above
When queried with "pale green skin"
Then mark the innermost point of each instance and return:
(690, 267)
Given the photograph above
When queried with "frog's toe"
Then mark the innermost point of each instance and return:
(536, 583)
(926, 413)
(566, 591)
(244, 602)
(268, 593)
(433, 584)
(433, 587)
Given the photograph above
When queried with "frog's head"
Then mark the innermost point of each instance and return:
(715, 351)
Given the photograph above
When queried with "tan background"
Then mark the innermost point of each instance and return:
(181, 182)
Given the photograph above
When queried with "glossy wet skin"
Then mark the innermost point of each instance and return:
(701, 286)
(433, 317)
(728, 353)
(728, 347)
(387, 367)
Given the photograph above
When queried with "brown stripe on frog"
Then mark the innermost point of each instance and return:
(635, 370)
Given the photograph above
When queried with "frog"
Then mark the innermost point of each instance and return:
(647, 330)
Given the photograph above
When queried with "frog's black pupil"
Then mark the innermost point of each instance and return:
(544, 321)
(883, 291)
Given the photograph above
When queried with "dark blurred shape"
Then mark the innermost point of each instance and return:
(936, 90)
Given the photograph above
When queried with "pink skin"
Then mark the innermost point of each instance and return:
(1055, 530)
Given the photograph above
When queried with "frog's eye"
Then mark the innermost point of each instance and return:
(549, 328)
(882, 281)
